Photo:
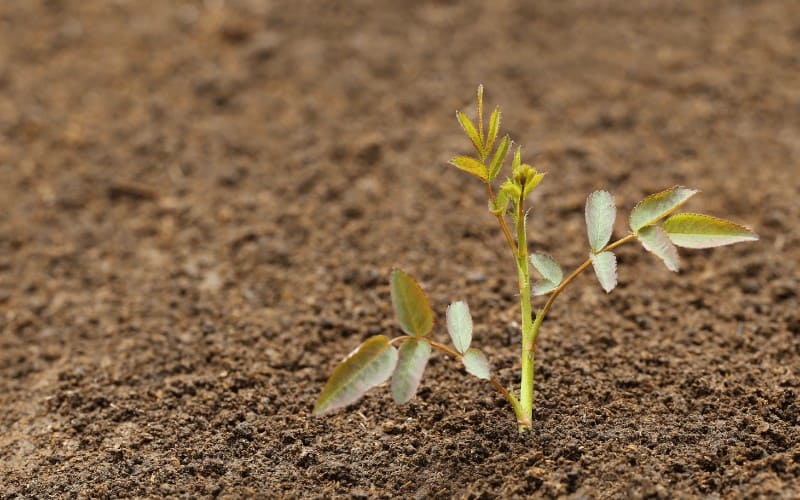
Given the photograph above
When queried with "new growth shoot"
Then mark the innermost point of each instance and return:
(652, 222)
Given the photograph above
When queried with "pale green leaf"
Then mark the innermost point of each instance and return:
(480, 111)
(657, 206)
(655, 240)
(471, 131)
(477, 364)
(499, 157)
(471, 166)
(600, 215)
(605, 267)
(494, 129)
(547, 267)
(543, 287)
(704, 231)
(410, 305)
(369, 365)
(413, 357)
(459, 325)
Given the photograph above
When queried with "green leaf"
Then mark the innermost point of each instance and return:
(500, 203)
(480, 111)
(659, 205)
(459, 325)
(369, 365)
(517, 161)
(410, 305)
(704, 231)
(471, 166)
(600, 215)
(494, 129)
(513, 189)
(531, 183)
(498, 158)
(605, 267)
(477, 364)
(655, 240)
(471, 131)
(413, 357)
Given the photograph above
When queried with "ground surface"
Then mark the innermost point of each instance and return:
(201, 203)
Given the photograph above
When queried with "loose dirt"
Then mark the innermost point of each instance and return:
(201, 202)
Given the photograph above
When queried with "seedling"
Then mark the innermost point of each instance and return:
(652, 222)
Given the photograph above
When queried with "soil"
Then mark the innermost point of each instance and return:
(202, 201)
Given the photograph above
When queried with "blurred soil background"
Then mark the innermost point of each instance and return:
(201, 201)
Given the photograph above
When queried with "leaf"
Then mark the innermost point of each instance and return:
(659, 205)
(471, 166)
(531, 183)
(459, 325)
(517, 161)
(477, 364)
(471, 131)
(410, 305)
(413, 357)
(547, 267)
(600, 215)
(655, 240)
(605, 267)
(704, 231)
(499, 157)
(494, 129)
(369, 365)
(513, 189)
(500, 203)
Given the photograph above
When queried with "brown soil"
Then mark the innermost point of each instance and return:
(202, 200)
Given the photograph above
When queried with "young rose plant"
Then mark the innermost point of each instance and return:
(653, 223)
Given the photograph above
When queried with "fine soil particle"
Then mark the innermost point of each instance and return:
(202, 201)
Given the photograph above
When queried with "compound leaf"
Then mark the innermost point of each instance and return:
(704, 231)
(477, 364)
(494, 129)
(369, 365)
(605, 267)
(471, 166)
(659, 205)
(459, 325)
(655, 240)
(499, 157)
(413, 357)
(471, 131)
(410, 305)
(600, 215)
(531, 183)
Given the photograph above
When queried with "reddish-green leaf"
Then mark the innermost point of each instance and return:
(471, 166)
(703, 231)
(476, 364)
(369, 365)
(655, 240)
(657, 206)
(600, 215)
(410, 305)
(414, 356)
(605, 267)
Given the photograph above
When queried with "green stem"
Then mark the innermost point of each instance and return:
(528, 334)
